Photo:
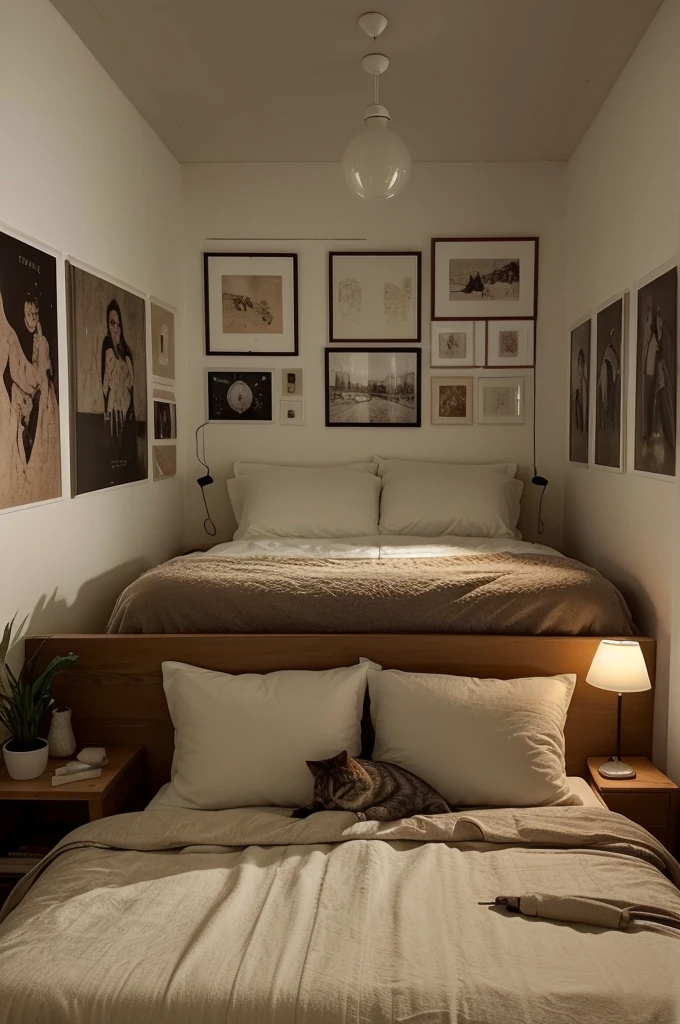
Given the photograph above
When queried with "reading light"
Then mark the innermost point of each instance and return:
(619, 666)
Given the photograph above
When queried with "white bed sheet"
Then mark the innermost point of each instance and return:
(376, 547)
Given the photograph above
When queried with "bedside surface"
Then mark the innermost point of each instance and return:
(120, 759)
(648, 778)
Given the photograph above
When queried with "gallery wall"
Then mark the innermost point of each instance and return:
(82, 173)
(307, 209)
(622, 222)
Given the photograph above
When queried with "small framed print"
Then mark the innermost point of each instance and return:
(374, 296)
(291, 412)
(372, 387)
(292, 383)
(164, 415)
(250, 304)
(162, 343)
(484, 278)
(501, 400)
(510, 343)
(240, 396)
(452, 400)
(453, 343)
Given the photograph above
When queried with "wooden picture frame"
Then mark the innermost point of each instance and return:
(495, 278)
(351, 402)
(519, 339)
(374, 303)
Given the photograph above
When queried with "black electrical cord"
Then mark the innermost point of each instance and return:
(204, 481)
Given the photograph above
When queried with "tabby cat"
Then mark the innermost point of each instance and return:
(374, 790)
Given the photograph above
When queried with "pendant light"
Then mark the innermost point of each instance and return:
(377, 162)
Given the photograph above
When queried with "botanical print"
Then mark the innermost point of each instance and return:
(398, 301)
(370, 387)
(508, 344)
(453, 400)
(579, 393)
(239, 395)
(30, 448)
(484, 278)
(453, 345)
(349, 299)
(655, 377)
(162, 342)
(252, 304)
(500, 400)
(608, 385)
(107, 334)
(164, 460)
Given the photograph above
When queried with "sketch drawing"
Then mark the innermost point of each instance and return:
(398, 301)
(508, 344)
(252, 304)
(349, 299)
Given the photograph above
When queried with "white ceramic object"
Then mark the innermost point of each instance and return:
(26, 764)
(62, 742)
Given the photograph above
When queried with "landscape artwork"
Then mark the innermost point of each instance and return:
(240, 395)
(162, 343)
(609, 385)
(30, 446)
(452, 400)
(372, 387)
(488, 279)
(579, 394)
(484, 278)
(375, 296)
(656, 375)
(107, 343)
(251, 303)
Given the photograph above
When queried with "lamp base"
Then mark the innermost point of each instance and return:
(615, 769)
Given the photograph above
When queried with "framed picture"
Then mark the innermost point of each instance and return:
(374, 296)
(291, 412)
(164, 461)
(30, 443)
(484, 278)
(579, 393)
(500, 400)
(164, 415)
(452, 400)
(107, 356)
(292, 383)
(240, 395)
(250, 304)
(372, 387)
(453, 343)
(655, 374)
(510, 343)
(610, 356)
(162, 343)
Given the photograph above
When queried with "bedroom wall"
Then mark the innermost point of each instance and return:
(82, 172)
(311, 201)
(623, 200)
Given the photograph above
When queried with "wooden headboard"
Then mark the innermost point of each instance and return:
(116, 688)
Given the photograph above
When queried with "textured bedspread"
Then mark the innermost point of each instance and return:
(477, 593)
(272, 920)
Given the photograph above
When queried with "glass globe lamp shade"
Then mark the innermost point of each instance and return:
(377, 162)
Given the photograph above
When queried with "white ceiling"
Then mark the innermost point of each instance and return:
(281, 79)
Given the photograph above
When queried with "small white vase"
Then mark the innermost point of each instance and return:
(61, 740)
(26, 764)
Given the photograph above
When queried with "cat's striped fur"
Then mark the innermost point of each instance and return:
(374, 790)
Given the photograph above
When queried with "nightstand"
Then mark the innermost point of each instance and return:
(650, 799)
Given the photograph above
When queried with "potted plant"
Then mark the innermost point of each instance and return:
(23, 702)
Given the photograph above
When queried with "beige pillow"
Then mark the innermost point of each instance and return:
(478, 742)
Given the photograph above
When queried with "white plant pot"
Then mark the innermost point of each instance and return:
(26, 764)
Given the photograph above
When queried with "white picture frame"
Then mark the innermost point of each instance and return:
(579, 392)
(291, 412)
(510, 344)
(507, 406)
(459, 402)
(374, 296)
(484, 278)
(457, 337)
(292, 383)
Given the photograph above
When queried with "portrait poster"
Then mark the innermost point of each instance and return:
(484, 278)
(30, 445)
(579, 393)
(162, 343)
(609, 392)
(372, 387)
(107, 350)
(374, 296)
(656, 375)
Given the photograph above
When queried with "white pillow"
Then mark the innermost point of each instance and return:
(244, 468)
(388, 465)
(242, 740)
(478, 742)
(430, 499)
(311, 503)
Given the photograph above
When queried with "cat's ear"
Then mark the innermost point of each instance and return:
(342, 759)
(315, 766)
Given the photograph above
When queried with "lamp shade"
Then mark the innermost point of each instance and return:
(377, 162)
(619, 665)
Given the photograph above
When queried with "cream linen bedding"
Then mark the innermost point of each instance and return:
(251, 917)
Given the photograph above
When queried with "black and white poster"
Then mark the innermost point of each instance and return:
(579, 394)
(240, 395)
(107, 343)
(656, 375)
(30, 449)
(609, 385)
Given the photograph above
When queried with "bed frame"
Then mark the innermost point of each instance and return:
(116, 689)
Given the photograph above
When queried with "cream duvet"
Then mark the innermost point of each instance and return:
(247, 917)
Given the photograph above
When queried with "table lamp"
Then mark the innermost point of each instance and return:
(618, 665)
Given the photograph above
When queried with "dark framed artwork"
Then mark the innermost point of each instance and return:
(656, 375)
(240, 396)
(30, 444)
(484, 278)
(251, 304)
(610, 354)
(579, 393)
(374, 296)
(107, 358)
(373, 387)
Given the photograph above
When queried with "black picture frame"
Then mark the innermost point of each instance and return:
(260, 383)
(416, 338)
(337, 350)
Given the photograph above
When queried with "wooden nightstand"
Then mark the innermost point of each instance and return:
(650, 799)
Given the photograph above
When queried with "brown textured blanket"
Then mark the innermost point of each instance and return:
(478, 593)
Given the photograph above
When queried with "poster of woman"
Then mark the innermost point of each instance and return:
(107, 345)
(655, 375)
(30, 449)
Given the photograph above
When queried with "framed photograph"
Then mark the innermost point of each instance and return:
(500, 400)
(610, 357)
(292, 383)
(452, 400)
(164, 415)
(372, 387)
(655, 378)
(240, 395)
(484, 278)
(251, 304)
(107, 356)
(162, 343)
(291, 412)
(164, 461)
(579, 393)
(374, 296)
(510, 343)
(30, 443)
